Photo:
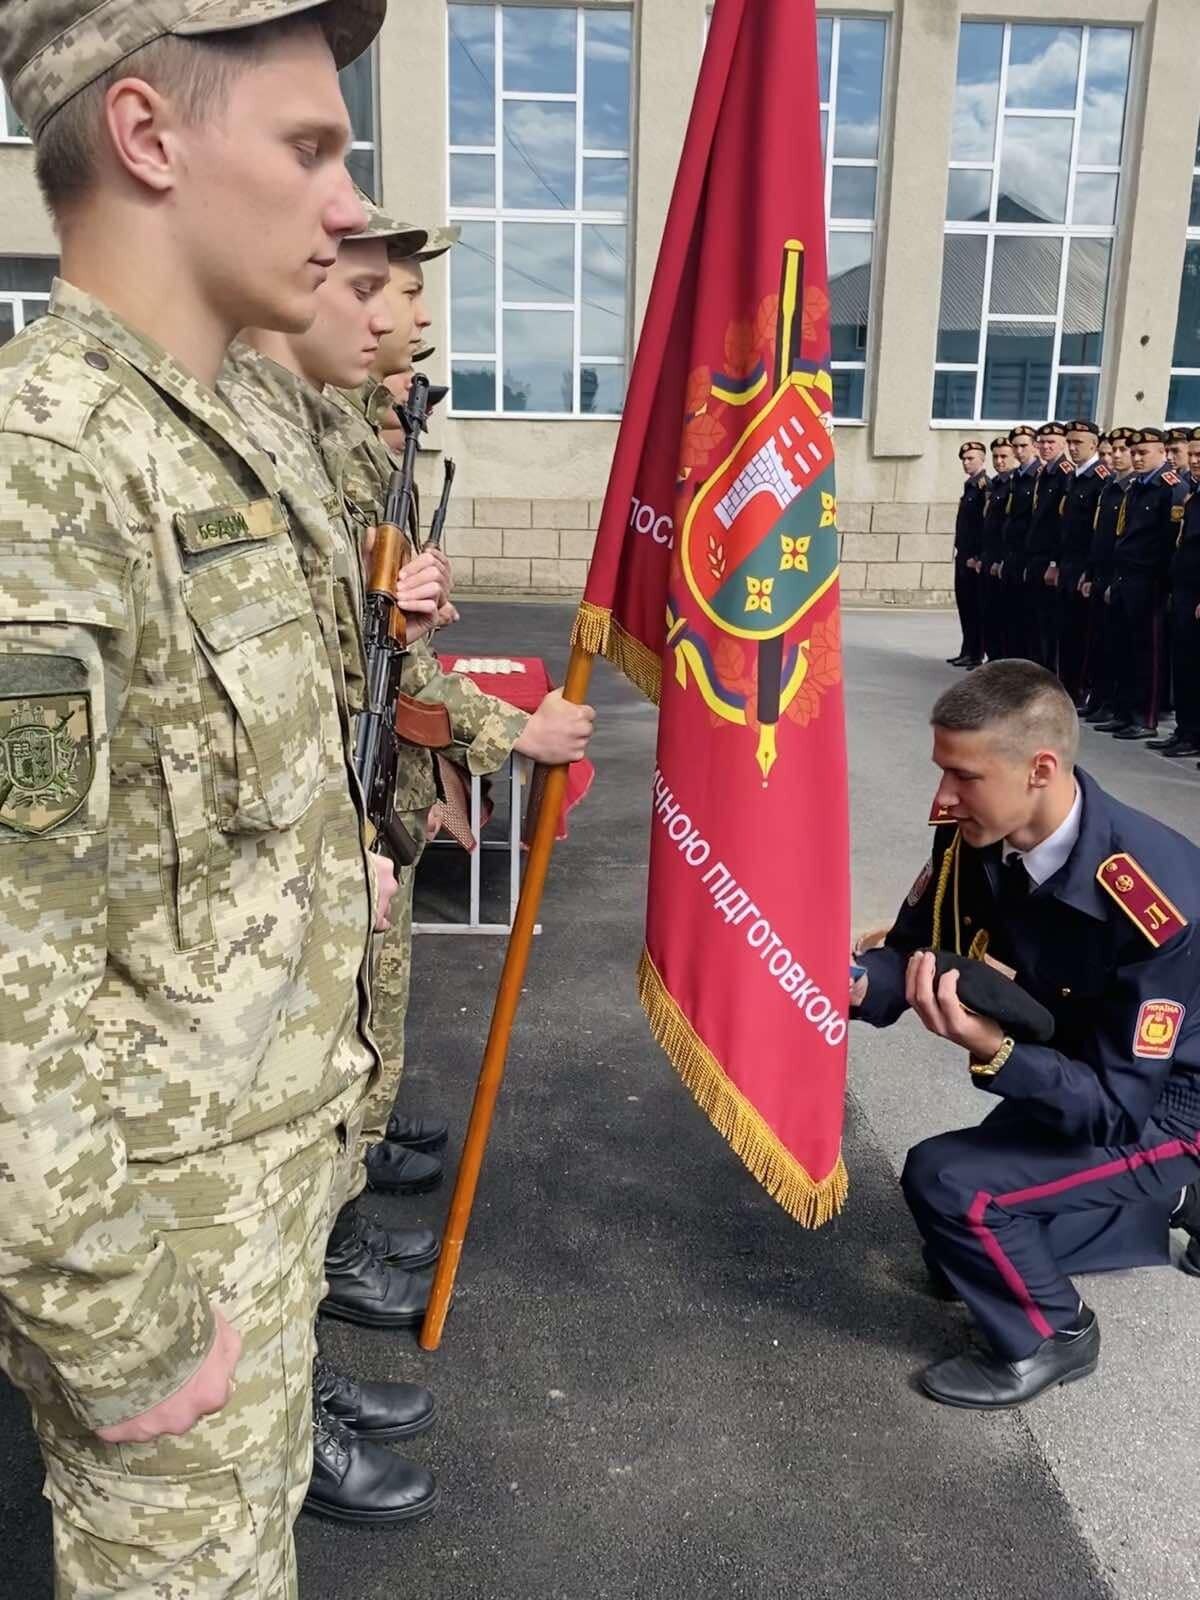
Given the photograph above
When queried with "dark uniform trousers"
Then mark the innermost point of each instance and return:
(1185, 627)
(968, 545)
(991, 590)
(1146, 530)
(1079, 1166)
(1041, 551)
(1017, 631)
(1080, 505)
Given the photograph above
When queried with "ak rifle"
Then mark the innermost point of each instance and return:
(390, 717)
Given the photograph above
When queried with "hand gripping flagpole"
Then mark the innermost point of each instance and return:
(508, 996)
(788, 327)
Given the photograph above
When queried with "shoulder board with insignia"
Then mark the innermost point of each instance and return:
(1065, 465)
(939, 816)
(1140, 898)
(1170, 477)
(1101, 470)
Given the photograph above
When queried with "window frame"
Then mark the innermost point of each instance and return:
(373, 143)
(8, 121)
(18, 298)
(576, 217)
(1192, 236)
(1065, 232)
(856, 225)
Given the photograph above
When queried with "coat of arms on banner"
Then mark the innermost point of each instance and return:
(759, 543)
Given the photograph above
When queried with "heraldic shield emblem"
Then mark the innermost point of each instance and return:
(46, 760)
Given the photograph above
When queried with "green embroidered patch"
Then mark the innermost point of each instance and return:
(198, 531)
(47, 760)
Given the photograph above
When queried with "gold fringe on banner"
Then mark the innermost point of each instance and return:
(809, 1201)
(598, 632)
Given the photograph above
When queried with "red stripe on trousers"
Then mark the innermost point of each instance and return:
(1013, 1280)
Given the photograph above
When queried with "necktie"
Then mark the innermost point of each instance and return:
(1015, 883)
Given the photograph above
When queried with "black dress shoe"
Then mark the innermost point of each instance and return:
(366, 1290)
(1097, 714)
(372, 1410)
(1113, 725)
(959, 660)
(362, 1481)
(418, 1133)
(410, 1248)
(1136, 730)
(1186, 1215)
(986, 1383)
(1181, 747)
(395, 1169)
(1164, 745)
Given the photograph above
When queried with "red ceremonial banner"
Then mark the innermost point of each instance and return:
(714, 588)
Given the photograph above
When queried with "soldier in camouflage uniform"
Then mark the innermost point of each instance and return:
(357, 468)
(186, 905)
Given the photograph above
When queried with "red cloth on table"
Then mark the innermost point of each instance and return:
(526, 690)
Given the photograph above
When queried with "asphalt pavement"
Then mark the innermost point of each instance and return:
(653, 1385)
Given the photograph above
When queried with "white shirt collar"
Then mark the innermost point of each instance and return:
(1044, 860)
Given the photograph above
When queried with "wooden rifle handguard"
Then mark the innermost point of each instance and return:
(423, 723)
(390, 552)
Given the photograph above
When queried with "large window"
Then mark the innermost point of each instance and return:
(358, 91)
(539, 170)
(11, 127)
(851, 51)
(1183, 403)
(24, 290)
(1031, 213)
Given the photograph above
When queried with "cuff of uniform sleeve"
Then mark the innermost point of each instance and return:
(493, 745)
(1019, 1077)
(162, 1356)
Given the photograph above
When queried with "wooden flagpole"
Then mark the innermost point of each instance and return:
(508, 996)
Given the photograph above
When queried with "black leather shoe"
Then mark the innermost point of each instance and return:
(418, 1133)
(395, 1169)
(410, 1248)
(1180, 748)
(1099, 714)
(1113, 725)
(362, 1481)
(1136, 730)
(372, 1410)
(1189, 1261)
(365, 1290)
(957, 661)
(986, 1383)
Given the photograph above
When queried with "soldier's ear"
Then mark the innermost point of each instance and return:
(140, 129)
(1044, 769)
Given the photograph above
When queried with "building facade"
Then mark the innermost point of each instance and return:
(1013, 194)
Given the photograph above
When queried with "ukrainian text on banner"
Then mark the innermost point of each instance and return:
(714, 588)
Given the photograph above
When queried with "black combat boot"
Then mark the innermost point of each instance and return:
(395, 1169)
(361, 1481)
(418, 1133)
(365, 1289)
(372, 1410)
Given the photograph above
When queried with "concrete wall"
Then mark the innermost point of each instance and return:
(518, 520)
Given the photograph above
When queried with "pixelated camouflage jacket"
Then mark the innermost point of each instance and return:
(284, 415)
(485, 728)
(185, 900)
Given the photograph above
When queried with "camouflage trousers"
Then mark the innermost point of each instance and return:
(391, 972)
(208, 1515)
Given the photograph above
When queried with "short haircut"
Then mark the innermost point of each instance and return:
(194, 74)
(1026, 705)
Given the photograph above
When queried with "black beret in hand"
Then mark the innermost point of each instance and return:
(988, 993)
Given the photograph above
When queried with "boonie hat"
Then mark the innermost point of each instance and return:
(441, 239)
(51, 49)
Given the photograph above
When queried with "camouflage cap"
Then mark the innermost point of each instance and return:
(440, 240)
(51, 49)
(403, 238)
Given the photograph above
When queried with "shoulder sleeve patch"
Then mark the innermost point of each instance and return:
(1140, 898)
(47, 761)
(922, 881)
